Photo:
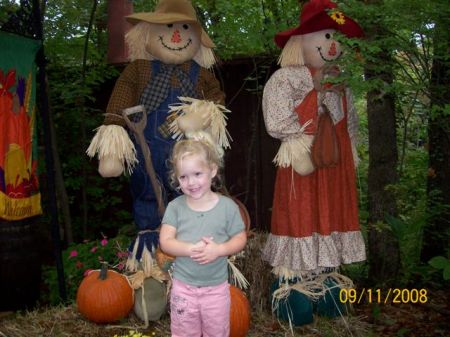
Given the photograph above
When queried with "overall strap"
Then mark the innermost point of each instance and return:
(156, 66)
(194, 72)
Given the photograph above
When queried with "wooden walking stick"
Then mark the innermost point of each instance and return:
(138, 129)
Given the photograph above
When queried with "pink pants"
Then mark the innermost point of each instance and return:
(199, 311)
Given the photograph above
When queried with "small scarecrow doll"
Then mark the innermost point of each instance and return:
(171, 60)
(314, 226)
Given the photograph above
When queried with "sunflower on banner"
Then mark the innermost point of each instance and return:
(19, 188)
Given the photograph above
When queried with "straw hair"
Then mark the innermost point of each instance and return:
(292, 54)
(137, 38)
(205, 57)
(213, 113)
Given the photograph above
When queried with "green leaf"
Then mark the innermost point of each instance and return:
(376, 311)
(446, 273)
(397, 226)
(439, 262)
(402, 332)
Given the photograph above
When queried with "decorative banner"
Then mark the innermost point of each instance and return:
(19, 188)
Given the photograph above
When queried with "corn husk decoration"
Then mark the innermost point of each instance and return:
(237, 278)
(137, 282)
(146, 263)
(211, 119)
(291, 149)
(313, 287)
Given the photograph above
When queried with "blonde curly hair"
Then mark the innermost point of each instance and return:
(188, 147)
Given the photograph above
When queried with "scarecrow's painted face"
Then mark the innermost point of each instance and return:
(320, 48)
(174, 43)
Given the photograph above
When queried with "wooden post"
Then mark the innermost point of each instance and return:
(117, 28)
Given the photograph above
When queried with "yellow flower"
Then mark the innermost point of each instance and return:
(338, 17)
(133, 333)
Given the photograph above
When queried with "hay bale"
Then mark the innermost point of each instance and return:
(257, 272)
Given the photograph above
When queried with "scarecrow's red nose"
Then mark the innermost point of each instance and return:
(332, 51)
(176, 38)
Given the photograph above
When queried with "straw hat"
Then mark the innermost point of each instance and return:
(318, 15)
(171, 11)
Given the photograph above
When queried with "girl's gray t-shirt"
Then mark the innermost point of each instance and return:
(221, 223)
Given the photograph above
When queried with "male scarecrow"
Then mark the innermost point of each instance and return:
(171, 56)
(314, 227)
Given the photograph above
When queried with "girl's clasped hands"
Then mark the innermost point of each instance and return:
(205, 251)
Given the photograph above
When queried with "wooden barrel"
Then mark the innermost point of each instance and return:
(20, 264)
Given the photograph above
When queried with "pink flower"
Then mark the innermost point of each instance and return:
(122, 254)
(86, 272)
(73, 253)
(120, 266)
(94, 249)
(79, 265)
(104, 242)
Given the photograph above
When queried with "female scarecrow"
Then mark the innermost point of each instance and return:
(314, 227)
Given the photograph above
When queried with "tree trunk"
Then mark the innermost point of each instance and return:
(61, 192)
(384, 256)
(436, 231)
(83, 140)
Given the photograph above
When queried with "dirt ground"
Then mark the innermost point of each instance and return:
(413, 320)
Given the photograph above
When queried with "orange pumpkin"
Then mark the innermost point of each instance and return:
(104, 296)
(239, 313)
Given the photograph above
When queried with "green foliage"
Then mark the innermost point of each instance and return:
(440, 262)
(79, 259)
(74, 101)
(411, 196)
(7, 8)
(236, 34)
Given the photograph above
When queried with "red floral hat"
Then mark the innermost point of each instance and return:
(318, 15)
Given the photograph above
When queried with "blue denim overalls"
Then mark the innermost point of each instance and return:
(145, 206)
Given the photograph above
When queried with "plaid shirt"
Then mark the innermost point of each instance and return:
(158, 88)
(135, 77)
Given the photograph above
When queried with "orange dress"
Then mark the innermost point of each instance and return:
(315, 223)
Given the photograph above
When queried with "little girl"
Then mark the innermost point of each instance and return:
(200, 228)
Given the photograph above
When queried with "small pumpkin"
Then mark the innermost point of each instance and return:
(297, 308)
(163, 260)
(239, 313)
(104, 296)
(155, 300)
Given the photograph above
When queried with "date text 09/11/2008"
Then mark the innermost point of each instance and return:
(380, 296)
